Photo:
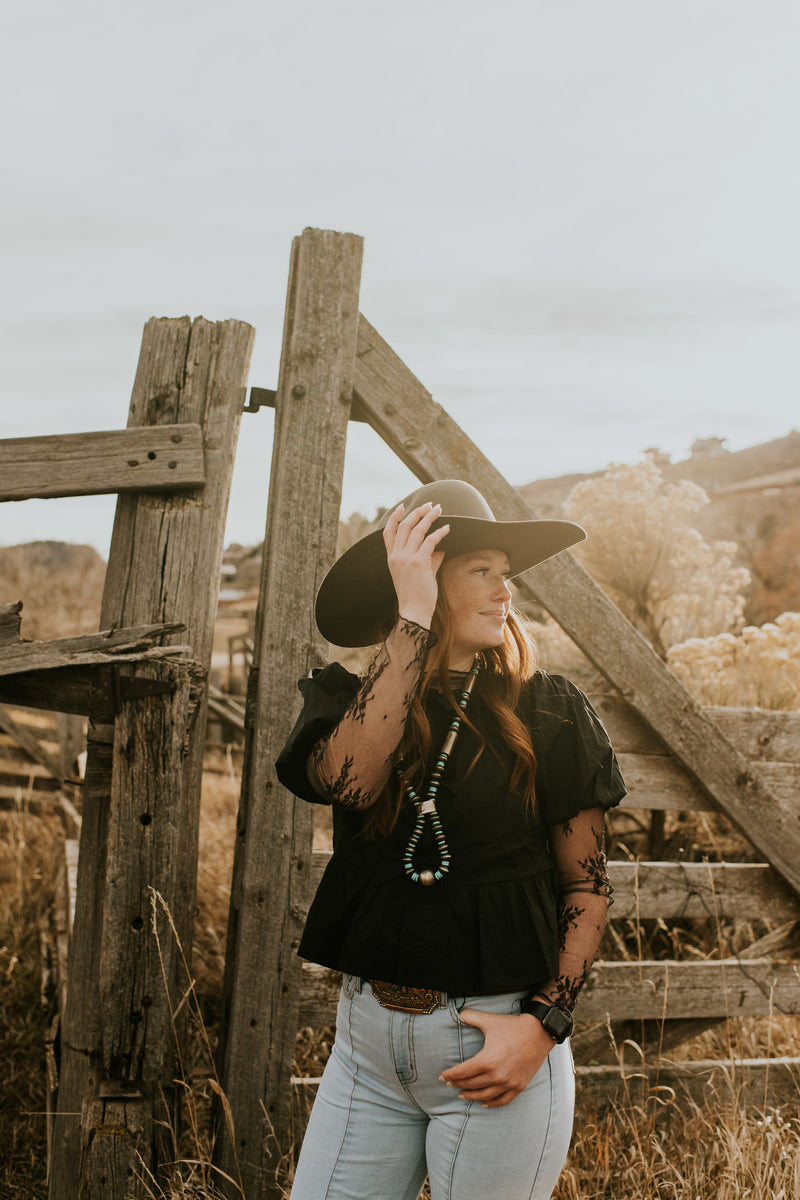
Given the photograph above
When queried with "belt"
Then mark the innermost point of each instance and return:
(400, 998)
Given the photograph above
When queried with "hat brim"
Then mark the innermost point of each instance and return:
(357, 598)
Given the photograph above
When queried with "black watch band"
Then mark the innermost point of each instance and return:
(556, 1021)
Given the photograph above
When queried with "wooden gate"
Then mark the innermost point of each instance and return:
(334, 368)
(141, 683)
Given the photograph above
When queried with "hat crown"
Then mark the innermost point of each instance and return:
(457, 498)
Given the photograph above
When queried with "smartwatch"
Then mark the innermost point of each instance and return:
(557, 1022)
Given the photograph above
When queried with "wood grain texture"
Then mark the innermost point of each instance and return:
(143, 849)
(10, 621)
(433, 446)
(758, 733)
(164, 565)
(110, 646)
(656, 990)
(658, 782)
(273, 849)
(158, 459)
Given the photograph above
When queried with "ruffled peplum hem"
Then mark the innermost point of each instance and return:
(461, 938)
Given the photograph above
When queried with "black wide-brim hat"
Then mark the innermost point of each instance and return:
(357, 601)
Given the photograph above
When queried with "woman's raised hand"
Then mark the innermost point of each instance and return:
(414, 560)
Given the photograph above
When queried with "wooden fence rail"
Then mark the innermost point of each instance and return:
(153, 459)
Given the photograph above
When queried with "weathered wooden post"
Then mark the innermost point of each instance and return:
(273, 850)
(142, 785)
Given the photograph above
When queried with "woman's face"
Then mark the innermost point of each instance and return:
(478, 595)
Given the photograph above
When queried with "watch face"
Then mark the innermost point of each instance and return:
(558, 1024)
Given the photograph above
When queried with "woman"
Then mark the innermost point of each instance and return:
(467, 891)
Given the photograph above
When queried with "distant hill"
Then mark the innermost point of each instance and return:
(60, 586)
(754, 501)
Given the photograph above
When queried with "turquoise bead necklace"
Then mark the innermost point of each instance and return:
(427, 808)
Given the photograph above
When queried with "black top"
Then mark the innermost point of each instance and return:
(491, 924)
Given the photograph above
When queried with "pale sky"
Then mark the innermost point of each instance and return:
(580, 216)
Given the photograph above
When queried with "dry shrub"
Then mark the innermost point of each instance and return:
(60, 586)
(758, 669)
(642, 549)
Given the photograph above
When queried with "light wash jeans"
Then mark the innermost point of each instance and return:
(382, 1120)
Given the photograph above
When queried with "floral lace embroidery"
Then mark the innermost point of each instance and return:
(352, 763)
(579, 850)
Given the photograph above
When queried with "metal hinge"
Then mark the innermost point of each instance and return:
(260, 398)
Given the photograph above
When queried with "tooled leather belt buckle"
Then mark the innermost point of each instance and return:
(405, 999)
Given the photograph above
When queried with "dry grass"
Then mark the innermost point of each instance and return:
(663, 1147)
(27, 853)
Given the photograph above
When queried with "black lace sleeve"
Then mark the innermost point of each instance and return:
(326, 697)
(353, 762)
(584, 896)
(344, 740)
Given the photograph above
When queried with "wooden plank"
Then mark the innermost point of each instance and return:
(29, 742)
(109, 646)
(758, 733)
(593, 1043)
(271, 877)
(655, 781)
(10, 621)
(61, 689)
(433, 446)
(164, 566)
(162, 458)
(117, 1127)
(71, 742)
(680, 891)
(139, 981)
(689, 891)
(662, 990)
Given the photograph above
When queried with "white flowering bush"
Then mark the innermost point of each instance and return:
(759, 668)
(670, 583)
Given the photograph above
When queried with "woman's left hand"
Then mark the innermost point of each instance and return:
(514, 1049)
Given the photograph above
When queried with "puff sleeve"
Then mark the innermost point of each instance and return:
(576, 766)
(326, 693)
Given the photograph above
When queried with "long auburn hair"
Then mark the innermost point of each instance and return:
(504, 670)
